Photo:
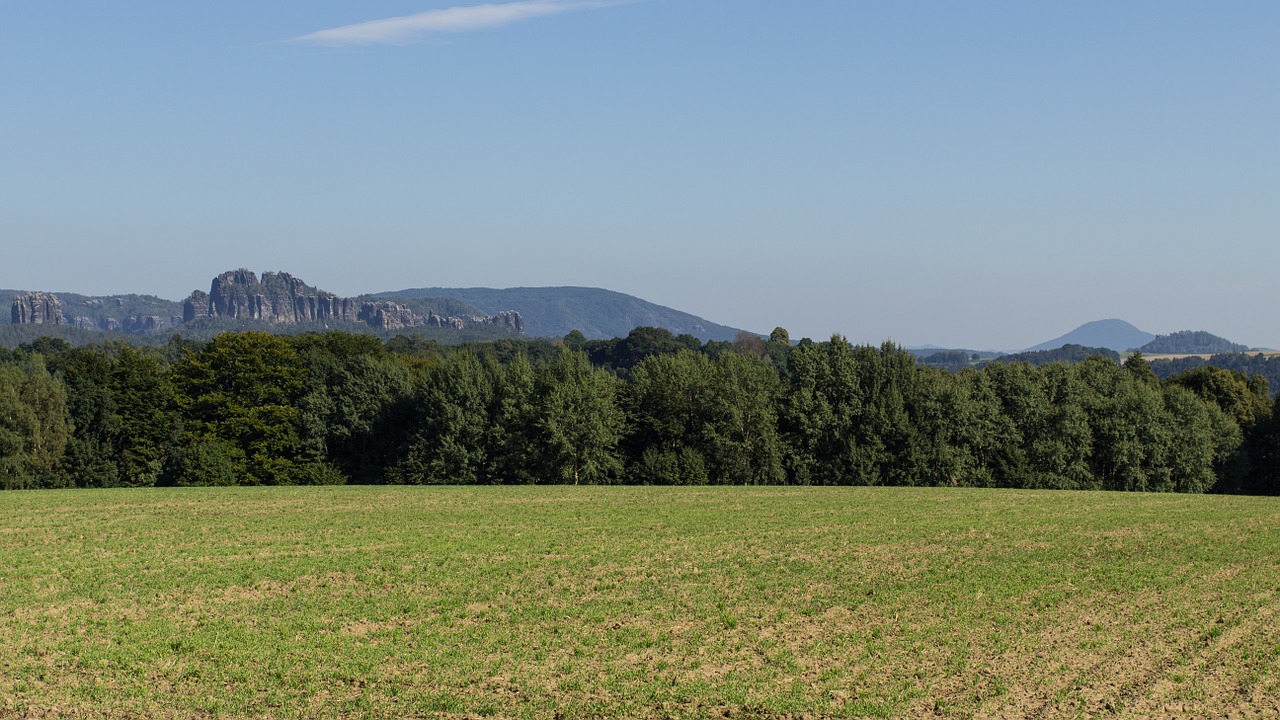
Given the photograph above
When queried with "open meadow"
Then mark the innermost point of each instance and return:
(388, 602)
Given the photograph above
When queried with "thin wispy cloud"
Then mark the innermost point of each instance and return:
(401, 30)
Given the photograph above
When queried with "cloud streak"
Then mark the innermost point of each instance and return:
(401, 30)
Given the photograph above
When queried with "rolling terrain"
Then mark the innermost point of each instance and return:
(597, 313)
(237, 299)
(391, 602)
(1113, 334)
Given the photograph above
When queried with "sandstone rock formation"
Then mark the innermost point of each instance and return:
(276, 298)
(36, 308)
(280, 298)
(196, 306)
(509, 319)
(388, 316)
(446, 321)
(145, 324)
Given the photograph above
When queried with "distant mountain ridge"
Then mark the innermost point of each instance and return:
(1111, 334)
(240, 298)
(595, 312)
(125, 313)
(280, 298)
(1120, 336)
(280, 302)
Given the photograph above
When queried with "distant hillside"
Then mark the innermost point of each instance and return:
(278, 300)
(1067, 353)
(1248, 364)
(1115, 335)
(951, 359)
(111, 313)
(1191, 342)
(12, 335)
(556, 311)
(241, 300)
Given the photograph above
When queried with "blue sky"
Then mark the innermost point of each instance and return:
(982, 174)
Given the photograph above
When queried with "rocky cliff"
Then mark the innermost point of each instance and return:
(387, 315)
(240, 295)
(282, 299)
(555, 311)
(132, 314)
(132, 324)
(278, 298)
(36, 308)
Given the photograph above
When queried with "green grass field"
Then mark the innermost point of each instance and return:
(642, 602)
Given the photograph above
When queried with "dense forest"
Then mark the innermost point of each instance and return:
(1247, 364)
(13, 336)
(651, 408)
(956, 360)
(1192, 342)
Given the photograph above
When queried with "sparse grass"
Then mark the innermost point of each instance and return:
(642, 602)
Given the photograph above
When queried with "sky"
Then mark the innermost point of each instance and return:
(981, 174)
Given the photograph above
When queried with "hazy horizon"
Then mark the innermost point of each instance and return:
(988, 175)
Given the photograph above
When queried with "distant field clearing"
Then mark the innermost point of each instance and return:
(567, 602)
(1204, 356)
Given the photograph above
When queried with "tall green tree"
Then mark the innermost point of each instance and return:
(667, 402)
(778, 349)
(123, 411)
(1129, 428)
(453, 421)
(240, 392)
(742, 438)
(34, 424)
(819, 413)
(514, 435)
(1060, 441)
(92, 455)
(952, 426)
(1247, 401)
(892, 399)
(621, 355)
(577, 421)
(850, 417)
(1266, 463)
(1201, 438)
(146, 402)
(1016, 391)
(1041, 437)
(352, 417)
(694, 420)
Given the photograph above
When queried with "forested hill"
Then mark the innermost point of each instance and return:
(1066, 353)
(1189, 342)
(956, 360)
(597, 313)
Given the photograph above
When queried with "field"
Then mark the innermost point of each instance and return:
(1202, 356)
(561, 602)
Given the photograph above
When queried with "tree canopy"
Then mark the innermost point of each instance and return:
(252, 408)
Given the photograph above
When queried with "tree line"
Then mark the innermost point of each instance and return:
(1248, 364)
(252, 408)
